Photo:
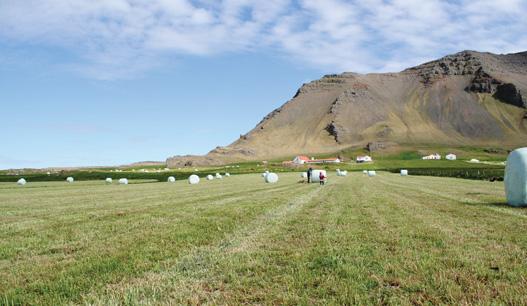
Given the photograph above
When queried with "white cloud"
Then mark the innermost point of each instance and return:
(116, 38)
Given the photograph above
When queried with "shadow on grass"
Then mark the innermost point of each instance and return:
(496, 204)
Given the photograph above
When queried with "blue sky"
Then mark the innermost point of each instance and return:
(88, 82)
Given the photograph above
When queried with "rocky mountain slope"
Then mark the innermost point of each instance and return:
(468, 98)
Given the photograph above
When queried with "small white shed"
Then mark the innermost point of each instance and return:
(451, 156)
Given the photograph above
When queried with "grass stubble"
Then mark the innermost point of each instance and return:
(358, 240)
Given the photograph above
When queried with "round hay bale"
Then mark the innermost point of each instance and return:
(123, 181)
(108, 180)
(315, 175)
(218, 176)
(404, 172)
(210, 177)
(227, 174)
(193, 179)
(343, 173)
(171, 179)
(372, 173)
(271, 178)
(364, 171)
(69, 179)
(516, 178)
(21, 182)
(303, 175)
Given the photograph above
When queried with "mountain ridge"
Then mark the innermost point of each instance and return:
(469, 97)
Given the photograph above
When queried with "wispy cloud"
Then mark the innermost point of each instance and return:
(118, 38)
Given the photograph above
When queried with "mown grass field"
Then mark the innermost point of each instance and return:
(357, 240)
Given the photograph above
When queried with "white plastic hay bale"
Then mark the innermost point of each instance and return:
(108, 180)
(364, 171)
(69, 179)
(372, 173)
(271, 178)
(210, 177)
(193, 179)
(404, 172)
(218, 176)
(171, 179)
(343, 173)
(315, 175)
(303, 175)
(516, 178)
(21, 182)
(227, 174)
(123, 181)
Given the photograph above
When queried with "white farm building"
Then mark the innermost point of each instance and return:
(451, 156)
(434, 156)
(302, 159)
(363, 159)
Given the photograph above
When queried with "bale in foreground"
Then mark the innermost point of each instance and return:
(108, 180)
(123, 181)
(21, 182)
(516, 178)
(69, 179)
(171, 179)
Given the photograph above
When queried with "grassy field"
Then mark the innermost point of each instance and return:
(357, 240)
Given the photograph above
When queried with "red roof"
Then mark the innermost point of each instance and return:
(303, 157)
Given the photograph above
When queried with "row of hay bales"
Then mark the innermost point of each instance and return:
(371, 173)
(515, 177)
(193, 179)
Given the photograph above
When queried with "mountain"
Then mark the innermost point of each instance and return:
(468, 98)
